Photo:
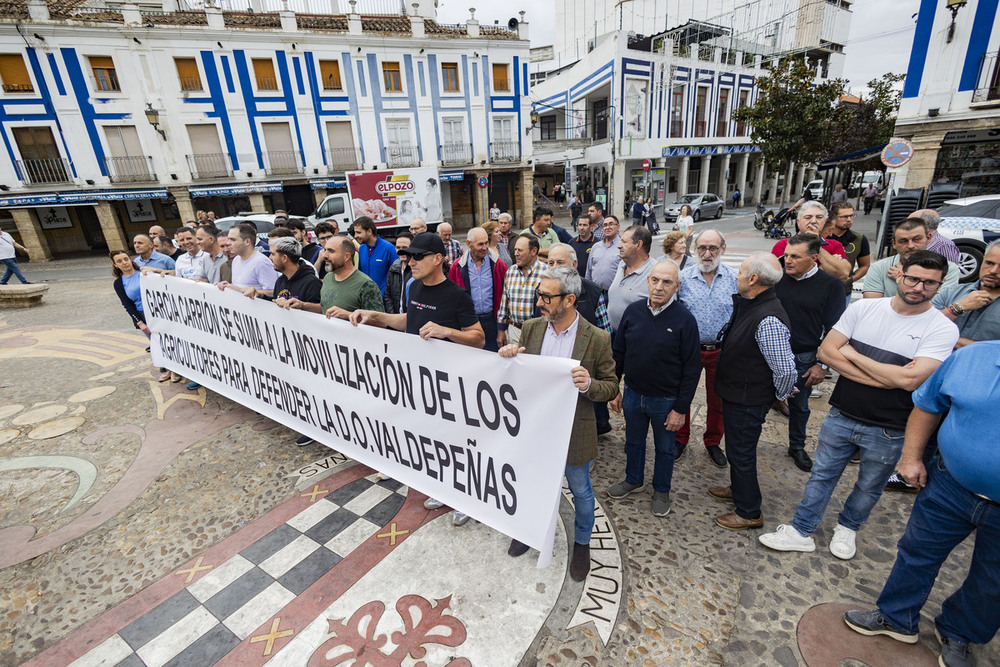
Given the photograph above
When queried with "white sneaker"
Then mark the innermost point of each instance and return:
(786, 538)
(459, 518)
(431, 504)
(842, 545)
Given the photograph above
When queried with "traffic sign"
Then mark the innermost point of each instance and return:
(897, 153)
(483, 181)
(646, 164)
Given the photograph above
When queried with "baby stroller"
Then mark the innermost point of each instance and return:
(776, 227)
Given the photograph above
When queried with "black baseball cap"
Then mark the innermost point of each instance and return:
(425, 243)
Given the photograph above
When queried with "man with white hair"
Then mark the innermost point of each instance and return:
(452, 248)
(832, 258)
(756, 367)
(937, 243)
(707, 289)
(482, 277)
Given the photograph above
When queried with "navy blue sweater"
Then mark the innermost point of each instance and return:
(661, 355)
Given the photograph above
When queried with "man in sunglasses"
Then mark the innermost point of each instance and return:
(883, 349)
(435, 308)
(908, 237)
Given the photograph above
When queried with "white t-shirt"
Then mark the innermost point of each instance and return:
(880, 333)
(685, 224)
(192, 267)
(6, 246)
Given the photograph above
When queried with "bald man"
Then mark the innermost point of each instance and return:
(482, 277)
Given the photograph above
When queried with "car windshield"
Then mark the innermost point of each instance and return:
(980, 209)
(688, 199)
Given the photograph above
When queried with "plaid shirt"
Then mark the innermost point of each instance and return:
(772, 338)
(518, 301)
(601, 313)
(452, 250)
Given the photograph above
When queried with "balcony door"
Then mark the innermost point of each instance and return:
(40, 159)
(281, 156)
(343, 154)
(125, 161)
(399, 149)
(207, 159)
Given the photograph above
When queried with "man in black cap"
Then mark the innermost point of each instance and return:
(435, 308)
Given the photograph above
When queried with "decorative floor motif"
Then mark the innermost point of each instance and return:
(826, 641)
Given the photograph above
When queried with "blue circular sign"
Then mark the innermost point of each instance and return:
(483, 181)
(897, 153)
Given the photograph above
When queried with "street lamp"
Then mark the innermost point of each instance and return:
(153, 116)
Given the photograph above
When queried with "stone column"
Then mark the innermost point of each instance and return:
(527, 199)
(616, 193)
(256, 202)
(741, 176)
(772, 188)
(682, 176)
(786, 191)
(480, 199)
(113, 233)
(706, 167)
(185, 207)
(800, 182)
(32, 236)
(723, 190)
(758, 194)
(319, 194)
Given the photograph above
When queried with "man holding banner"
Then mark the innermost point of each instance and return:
(436, 308)
(561, 332)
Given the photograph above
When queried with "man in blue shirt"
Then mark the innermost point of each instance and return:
(376, 255)
(146, 256)
(707, 289)
(960, 493)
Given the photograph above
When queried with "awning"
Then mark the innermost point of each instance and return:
(452, 176)
(682, 151)
(856, 156)
(327, 183)
(238, 189)
(83, 198)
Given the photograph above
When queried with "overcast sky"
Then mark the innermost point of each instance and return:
(880, 38)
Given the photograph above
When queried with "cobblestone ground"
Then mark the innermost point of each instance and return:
(694, 593)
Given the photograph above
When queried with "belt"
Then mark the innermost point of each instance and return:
(709, 348)
(516, 326)
(482, 315)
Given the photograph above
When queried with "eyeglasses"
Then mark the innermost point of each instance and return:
(610, 224)
(846, 217)
(547, 298)
(708, 248)
(325, 237)
(415, 230)
(929, 285)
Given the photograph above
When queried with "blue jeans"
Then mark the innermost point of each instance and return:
(578, 478)
(943, 515)
(742, 426)
(639, 411)
(839, 437)
(12, 270)
(798, 404)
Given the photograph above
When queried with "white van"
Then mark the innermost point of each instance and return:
(334, 209)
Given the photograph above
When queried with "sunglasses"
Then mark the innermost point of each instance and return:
(417, 256)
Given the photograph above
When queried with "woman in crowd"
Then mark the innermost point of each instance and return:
(497, 250)
(685, 223)
(126, 285)
(675, 247)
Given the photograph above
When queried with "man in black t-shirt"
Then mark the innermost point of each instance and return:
(436, 308)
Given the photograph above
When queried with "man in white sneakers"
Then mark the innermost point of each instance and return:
(883, 350)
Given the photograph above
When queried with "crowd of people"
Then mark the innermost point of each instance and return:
(914, 366)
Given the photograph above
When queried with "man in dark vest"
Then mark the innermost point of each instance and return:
(814, 301)
(592, 303)
(756, 367)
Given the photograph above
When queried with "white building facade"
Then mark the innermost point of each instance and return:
(950, 108)
(117, 118)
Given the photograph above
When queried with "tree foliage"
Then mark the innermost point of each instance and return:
(792, 116)
(867, 124)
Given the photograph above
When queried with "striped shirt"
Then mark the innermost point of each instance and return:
(773, 340)
(518, 302)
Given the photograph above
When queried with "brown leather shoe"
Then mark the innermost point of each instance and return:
(517, 548)
(780, 407)
(736, 522)
(579, 566)
(721, 492)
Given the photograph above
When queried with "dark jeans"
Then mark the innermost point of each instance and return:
(12, 270)
(943, 515)
(640, 413)
(743, 426)
(489, 324)
(869, 203)
(798, 404)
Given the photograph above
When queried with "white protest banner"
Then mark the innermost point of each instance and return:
(485, 435)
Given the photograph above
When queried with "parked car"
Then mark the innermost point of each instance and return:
(971, 235)
(264, 221)
(815, 189)
(983, 206)
(703, 205)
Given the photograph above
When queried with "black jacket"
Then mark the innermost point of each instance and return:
(742, 375)
(395, 281)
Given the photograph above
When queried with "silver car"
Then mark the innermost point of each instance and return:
(703, 205)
